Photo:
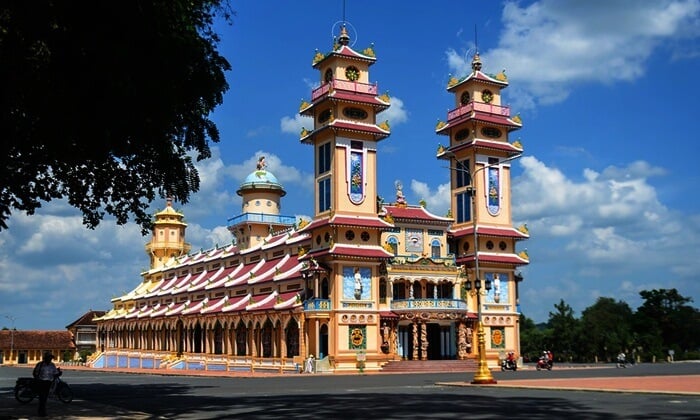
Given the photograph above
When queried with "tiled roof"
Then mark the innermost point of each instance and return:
(36, 340)
(86, 319)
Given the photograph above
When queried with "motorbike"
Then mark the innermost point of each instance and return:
(543, 363)
(509, 365)
(621, 362)
(25, 390)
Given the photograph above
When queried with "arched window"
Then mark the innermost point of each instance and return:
(382, 290)
(435, 248)
(394, 243)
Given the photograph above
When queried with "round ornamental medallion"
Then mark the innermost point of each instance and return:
(487, 96)
(352, 73)
(357, 337)
(349, 235)
(497, 337)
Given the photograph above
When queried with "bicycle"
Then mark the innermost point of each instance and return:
(24, 390)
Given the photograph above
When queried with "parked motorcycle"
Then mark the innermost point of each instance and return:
(25, 390)
(543, 363)
(509, 365)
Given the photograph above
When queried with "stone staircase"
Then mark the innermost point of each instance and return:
(419, 366)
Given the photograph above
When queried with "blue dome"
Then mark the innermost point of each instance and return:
(261, 180)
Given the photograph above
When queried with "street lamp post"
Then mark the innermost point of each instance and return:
(12, 336)
(483, 374)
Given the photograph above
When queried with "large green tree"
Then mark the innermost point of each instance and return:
(563, 332)
(106, 103)
(666, 321)
(606, 329)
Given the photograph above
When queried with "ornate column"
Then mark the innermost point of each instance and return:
(415, 341)
(461, 340)
(424, 341)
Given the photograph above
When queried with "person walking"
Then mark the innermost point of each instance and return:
(44, 374)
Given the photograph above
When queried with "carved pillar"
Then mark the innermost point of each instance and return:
(302, 336)
(461, 340)
(415, 341)
(424, 341)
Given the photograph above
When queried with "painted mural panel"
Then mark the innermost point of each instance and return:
(494, 190)
(357, 193)
(357, 283)
(414, 240)
(499, 288)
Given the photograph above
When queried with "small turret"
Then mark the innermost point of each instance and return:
(168, 240)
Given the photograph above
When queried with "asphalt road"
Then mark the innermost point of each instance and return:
(404, 396)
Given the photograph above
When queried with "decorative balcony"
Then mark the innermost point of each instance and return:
(262, 218)
(480, 107)
(314, 305)
(345, 85)
(448, 260)
(401, 305)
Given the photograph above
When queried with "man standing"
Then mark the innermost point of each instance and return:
(44, 374)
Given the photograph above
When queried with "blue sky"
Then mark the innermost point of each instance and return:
(607, 92)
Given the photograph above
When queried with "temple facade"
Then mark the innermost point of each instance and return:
(365, 281)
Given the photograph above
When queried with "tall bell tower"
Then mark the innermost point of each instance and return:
(345, 131)
(482, 236)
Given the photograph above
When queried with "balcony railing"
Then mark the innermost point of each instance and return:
(441, 304)
(448, 260)
(317, 305)
(262, 218)
(345, 85)
(478, 106)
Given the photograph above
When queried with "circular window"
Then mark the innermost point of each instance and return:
(462, 134)
(489, 244)
(502, 245)
(464, 99)
(355, 113)
(328, 77)
(491, 132)
(327, 237)
(352, 73)
(349, 235)
(364, 236)
(257, 202)
(269, 203)
(318, 240)
(324, 116)
(465, 246)
(487, 96)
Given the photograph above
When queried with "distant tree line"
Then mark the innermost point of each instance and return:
(664, 322)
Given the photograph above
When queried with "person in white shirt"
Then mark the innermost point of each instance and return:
(44, 374)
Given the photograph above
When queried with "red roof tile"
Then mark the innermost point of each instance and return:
(36, 340)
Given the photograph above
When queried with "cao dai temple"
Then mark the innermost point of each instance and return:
(367, 281)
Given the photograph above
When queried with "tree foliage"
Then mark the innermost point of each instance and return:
(105, 104)
(606, 329)
(665, 321)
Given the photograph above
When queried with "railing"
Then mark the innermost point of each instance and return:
(317, 305)
(442, 304)
(478, 106)
(369, 89)
(262, 218)
(412, 258)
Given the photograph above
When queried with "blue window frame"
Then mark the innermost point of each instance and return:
(463, 208)
(324, 195)
(463, 173)
(324, 158)
(435, 248)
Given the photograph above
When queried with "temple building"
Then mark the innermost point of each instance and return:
(364, 283)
